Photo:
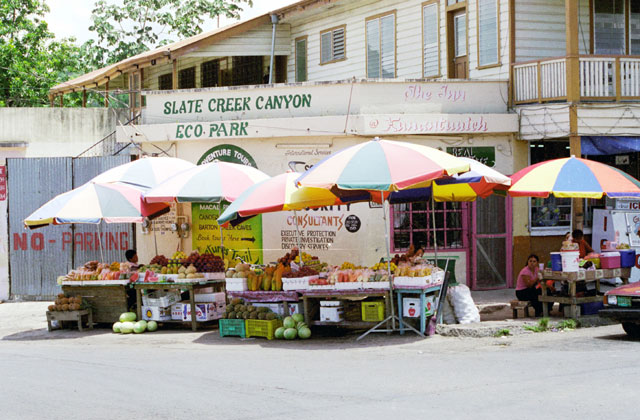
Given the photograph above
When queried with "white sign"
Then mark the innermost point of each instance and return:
(398, 124)
(627, 205)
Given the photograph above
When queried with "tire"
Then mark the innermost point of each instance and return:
(632, 329)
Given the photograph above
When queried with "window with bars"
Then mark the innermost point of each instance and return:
(413, 224)
(209, 71)
(381, 46)
(187, 78)
(165, 81)
(608, 26)
(247, 70)
(488, 23)
(301, 59)
(332, 45)
(430, 40)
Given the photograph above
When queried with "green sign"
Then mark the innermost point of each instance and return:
(484, 155)
(237, 104)
(227, 153)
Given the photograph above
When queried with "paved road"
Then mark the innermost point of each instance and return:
(587, 373)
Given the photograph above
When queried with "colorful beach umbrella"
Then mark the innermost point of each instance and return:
(95, 202)
(278, 193)
(146, 172)
(480, 181)
(573, 178)
(208, 183)
(382, 165)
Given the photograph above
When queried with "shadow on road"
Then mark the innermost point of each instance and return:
(616, 337)
(42, 334)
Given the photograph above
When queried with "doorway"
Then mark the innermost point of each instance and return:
(458, 60)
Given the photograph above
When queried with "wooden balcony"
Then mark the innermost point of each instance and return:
(602, 78)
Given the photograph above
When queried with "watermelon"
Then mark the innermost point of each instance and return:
(152, 326)
(116, 327)
(300, 325)
(280, 333)
(128, 317)
(298, 317)
(139, 327)
(289, 322)
(290, 334)
(126, 327)
(304, 333)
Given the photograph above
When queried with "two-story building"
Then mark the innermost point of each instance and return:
(509, 83)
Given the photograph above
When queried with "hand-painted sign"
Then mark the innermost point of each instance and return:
(484, 155)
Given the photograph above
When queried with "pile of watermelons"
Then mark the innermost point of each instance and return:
(128, 324)
(293, 327)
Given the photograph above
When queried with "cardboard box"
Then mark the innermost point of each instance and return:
(411, 306)
(156, 313)
(278, 308)
(331, 314)
(210, 297)
(204, 311)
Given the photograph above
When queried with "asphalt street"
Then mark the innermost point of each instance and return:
(170, 374)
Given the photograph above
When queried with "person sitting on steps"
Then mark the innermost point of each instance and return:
(527, 286)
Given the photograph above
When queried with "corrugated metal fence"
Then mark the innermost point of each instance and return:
(37, 257)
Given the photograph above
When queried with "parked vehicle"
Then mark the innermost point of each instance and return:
(623, 305)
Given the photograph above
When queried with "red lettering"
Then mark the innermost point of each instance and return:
(88, 241)
(112, 242)
(37, 241)
(67, 239)
(19, 241)
(78, 238)
(124, 241)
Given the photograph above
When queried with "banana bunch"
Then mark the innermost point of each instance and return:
(347, 266)
(383, 266)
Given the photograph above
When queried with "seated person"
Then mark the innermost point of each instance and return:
(578, 238)
(132, 256)
(527, 287)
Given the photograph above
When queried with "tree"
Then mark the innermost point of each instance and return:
(31, 60)
(134, 26)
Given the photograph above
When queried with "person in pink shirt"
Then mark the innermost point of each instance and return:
(528, 279)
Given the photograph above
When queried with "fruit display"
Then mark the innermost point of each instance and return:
(289, 257)
(304, 271)
(65, 303)
(189, 273)
(237, 309)
(293, 327)
(204, 263)
(128, 324)
(383, 266)
(95, 271)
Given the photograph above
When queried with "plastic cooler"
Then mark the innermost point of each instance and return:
(627, 258)
(570, 261)
(556, 261)
(610, 260)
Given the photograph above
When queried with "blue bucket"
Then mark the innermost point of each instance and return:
(627, 257)
(556, 261)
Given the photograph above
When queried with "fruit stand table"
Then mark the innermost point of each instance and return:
(107, 301)
(191, 287)
(571, 278)
(283, 297)
(360, 294)
(423, 292)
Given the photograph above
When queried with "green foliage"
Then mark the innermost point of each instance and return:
(568, 324)
(543, 325)
(502, 333)
(135, 26)
(31, 60)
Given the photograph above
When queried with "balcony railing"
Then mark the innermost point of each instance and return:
(605, 78)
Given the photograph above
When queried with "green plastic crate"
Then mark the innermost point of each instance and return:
(373, 311)
(262, 328)
(233, 327)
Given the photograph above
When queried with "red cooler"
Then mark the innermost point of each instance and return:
(610, 260)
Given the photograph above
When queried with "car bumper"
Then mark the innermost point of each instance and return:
(621, 314)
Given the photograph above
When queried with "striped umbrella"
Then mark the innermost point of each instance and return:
(573, 178)
(480, 181)
(382, 165)
(276, 194)
(95, 202)
(146, 172)
(208, 183)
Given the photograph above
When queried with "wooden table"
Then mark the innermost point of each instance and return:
(77, 316)
(308, 295)
(423, 292)
(191, 287)
(106, 301)
(571, 278)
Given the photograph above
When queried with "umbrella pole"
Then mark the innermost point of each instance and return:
(295, 215)
(221, 234)
(387, 243)
(100, 242)
(433, 224)
(155, 239)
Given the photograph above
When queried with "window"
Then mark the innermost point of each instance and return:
(430, 40)
(381, 46)
(187, 78)
(412, 223)
(332, 45)
(634, 28)
(453, 2)
(209, 73)
(165, 82)
(301, 59)
(608, 26)
(460, 28)
(247, 70)
(488, 32)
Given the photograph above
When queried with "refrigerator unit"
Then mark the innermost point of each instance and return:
(621, 225)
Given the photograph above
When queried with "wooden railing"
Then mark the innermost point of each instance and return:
(611, 78)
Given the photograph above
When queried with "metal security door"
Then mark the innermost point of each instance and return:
(492, 243)
(114, 238)
(36, 257)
